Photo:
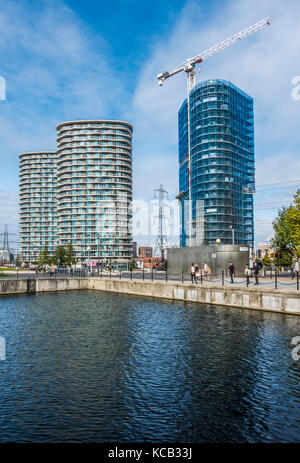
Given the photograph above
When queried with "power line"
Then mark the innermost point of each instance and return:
(278, 187)
(280, 183)
(266, 208)
(273, 202)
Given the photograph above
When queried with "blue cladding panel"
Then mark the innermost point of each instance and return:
(222, 161)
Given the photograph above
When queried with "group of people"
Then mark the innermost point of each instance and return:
(248, 271)
(256, 269)
(196, 272)
(206, 272)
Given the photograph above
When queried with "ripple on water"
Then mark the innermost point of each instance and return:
(86, 366)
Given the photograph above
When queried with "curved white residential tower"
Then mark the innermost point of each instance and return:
(94, 189)
(37, 204)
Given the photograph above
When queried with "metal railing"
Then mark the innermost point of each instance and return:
(275, 279)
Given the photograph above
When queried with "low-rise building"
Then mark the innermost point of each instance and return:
(145, 251)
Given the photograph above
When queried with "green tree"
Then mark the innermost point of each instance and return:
(70, 258)
(60, 256)
(286, 226)
(293, 217)
(44, 257)
(132, 265)
(266, 260)
(284, 258)
(282, 232)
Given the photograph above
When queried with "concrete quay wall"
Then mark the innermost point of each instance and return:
(257, 298)
(36, 285)
(250, 298)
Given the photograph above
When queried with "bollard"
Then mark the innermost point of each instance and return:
(143, 274)
(101, 272)
(131, 274)
(182, 276)
(298, 280)
(222, 277)
(110, 272)
(120, 274)
(275, 279)
(247, 278)
(201, 277)
(166, 274)
(17, 274)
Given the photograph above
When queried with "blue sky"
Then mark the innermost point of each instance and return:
(66, 60)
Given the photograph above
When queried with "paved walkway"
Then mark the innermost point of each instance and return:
(282, 282)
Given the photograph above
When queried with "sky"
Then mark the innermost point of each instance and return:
(72, 59)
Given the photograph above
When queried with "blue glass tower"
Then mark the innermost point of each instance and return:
(222, 165)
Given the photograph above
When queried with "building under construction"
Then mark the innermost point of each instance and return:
(222, 165)
(216, 154)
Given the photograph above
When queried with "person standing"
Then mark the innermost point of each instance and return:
(247, 273)
(193, 273)
(295, 269)
(231, 271)
(196, 272)
(256, 272)
(205, 270)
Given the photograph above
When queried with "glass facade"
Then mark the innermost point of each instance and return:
(94, 189)
(222, 165)
(37, 204)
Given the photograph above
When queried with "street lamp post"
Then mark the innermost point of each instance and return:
(232, 229)
(88, 250)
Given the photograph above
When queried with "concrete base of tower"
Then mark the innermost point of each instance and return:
(217, 257)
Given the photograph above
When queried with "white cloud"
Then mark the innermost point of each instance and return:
(54, 67)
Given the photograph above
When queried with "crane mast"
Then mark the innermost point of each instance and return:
(189, 67)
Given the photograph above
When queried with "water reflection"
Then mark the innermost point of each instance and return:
(92, 366)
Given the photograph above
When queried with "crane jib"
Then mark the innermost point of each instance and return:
(216, 48)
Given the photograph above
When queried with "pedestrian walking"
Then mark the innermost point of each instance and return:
(256, 272)
(193, 273)
(231, 271)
